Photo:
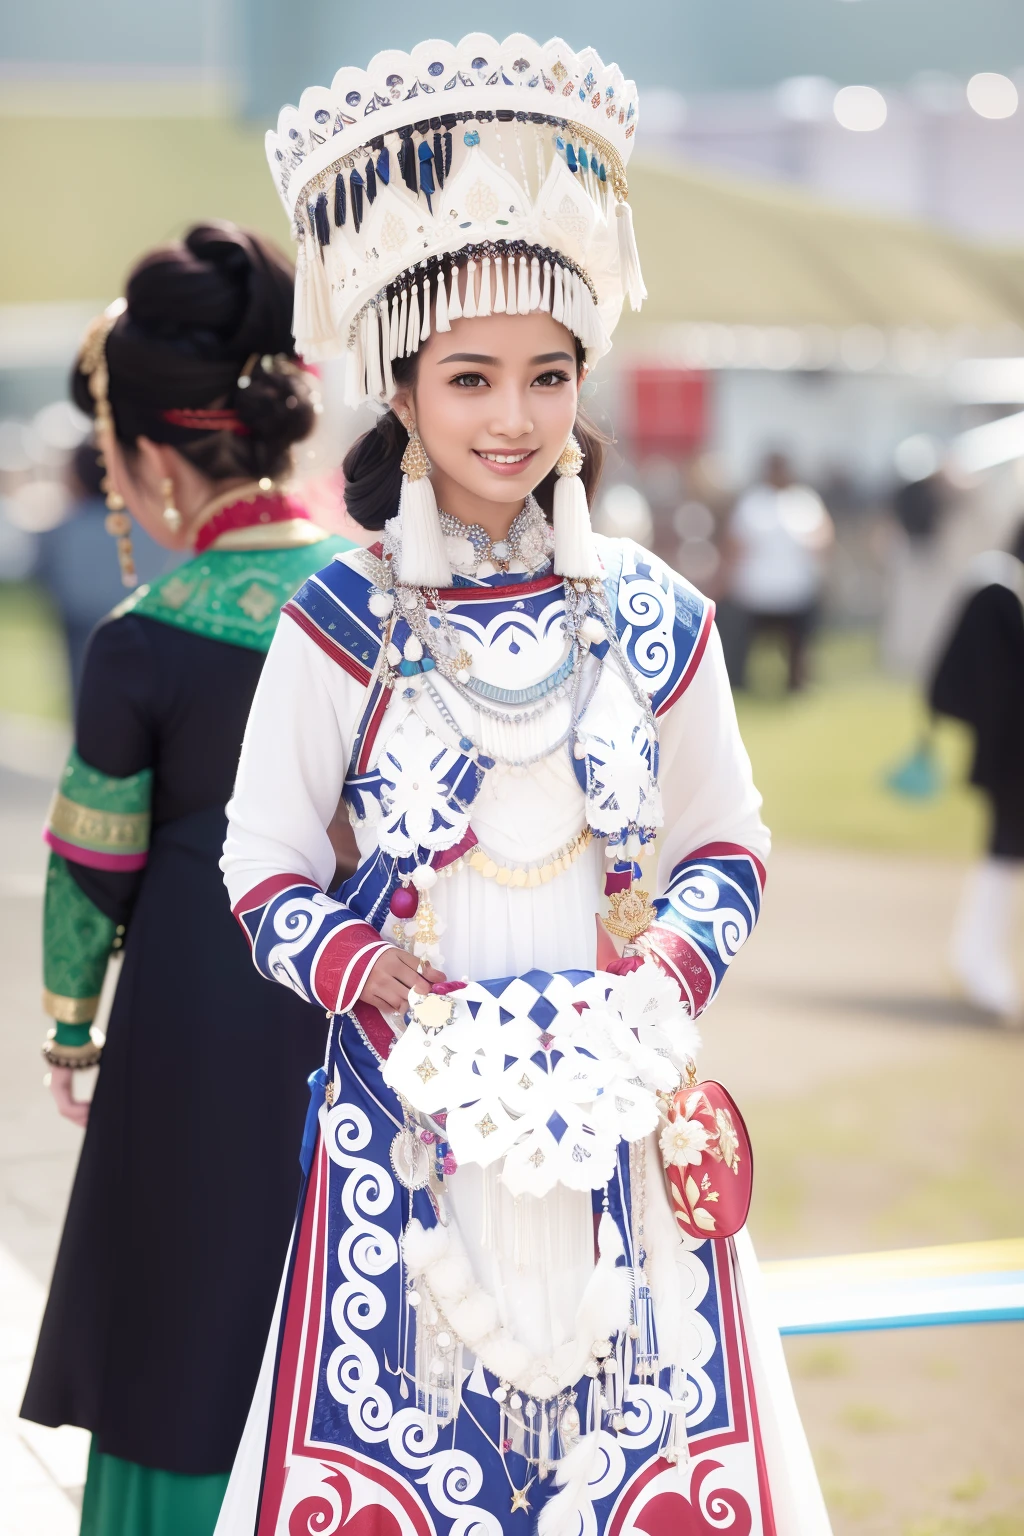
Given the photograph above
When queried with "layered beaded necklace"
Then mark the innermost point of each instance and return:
(528, 543)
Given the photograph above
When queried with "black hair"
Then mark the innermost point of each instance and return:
(201, 313)
(373, 465)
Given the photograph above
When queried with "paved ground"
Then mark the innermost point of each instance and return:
(883, 1114)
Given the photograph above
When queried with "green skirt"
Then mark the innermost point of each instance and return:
(125, 1499)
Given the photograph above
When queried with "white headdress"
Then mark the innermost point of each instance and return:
(506, 159)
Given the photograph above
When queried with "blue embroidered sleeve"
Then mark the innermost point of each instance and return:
(662, 622)
(706, 913)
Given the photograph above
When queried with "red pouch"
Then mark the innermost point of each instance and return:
(709, 1168)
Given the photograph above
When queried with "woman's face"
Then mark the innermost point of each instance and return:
(494, 401)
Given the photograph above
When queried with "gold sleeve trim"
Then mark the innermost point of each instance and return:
(110, 831)
(70, 1010)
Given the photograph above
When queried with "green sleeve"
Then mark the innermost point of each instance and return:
(77, 941)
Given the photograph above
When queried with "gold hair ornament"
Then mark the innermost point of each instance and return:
(92, 361)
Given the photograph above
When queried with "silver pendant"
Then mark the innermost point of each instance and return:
(411, 1160)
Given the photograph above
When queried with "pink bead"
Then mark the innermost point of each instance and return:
(450, 1165)
(404, 901)
(428, 1138)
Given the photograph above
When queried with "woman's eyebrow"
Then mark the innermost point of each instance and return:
(551, 357)
(468, 357)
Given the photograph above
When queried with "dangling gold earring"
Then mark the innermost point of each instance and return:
(172, 517)
(415, 463)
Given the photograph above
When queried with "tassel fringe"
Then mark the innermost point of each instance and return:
(629, 256)
(424, 560)
(575, 552)
(391, 329)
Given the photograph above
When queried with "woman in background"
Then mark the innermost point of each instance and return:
(198, 400)
(980, 680)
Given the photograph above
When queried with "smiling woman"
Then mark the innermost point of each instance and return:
(512, 710)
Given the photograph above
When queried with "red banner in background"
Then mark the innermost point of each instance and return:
(669, 410)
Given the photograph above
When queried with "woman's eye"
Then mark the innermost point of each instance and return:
(469, 380)
(553, 376)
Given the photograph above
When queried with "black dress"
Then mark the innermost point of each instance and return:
(182, 1205)
(980, 680)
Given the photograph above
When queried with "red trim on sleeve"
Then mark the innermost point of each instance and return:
(119, 863)
(340, 970)
(337, 654)
(370, 735)
(684, 963)
(694, 662)
(267, 890)
(729, 851)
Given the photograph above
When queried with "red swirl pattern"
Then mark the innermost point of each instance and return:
(672, 1514)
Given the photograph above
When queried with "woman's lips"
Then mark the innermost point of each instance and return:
(519, 461)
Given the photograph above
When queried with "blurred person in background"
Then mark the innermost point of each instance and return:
(73, 560)
(979, 679)
(147, 1339)
(779, 536)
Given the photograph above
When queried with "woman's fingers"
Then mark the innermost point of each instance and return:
(71, 1108)
(394, 975)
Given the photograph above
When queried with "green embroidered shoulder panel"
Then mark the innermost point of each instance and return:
(232, 595)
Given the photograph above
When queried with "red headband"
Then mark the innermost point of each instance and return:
(206, 421)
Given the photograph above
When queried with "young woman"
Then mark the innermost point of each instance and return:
(979, 679)
(147, 1341)
(490, 1320)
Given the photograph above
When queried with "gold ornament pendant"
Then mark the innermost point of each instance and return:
(629, 914)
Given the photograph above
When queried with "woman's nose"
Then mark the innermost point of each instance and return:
(512, 418)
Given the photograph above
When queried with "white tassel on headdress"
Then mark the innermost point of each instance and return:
(534, 284)
(374, 373)
(469, 308)
(558, 295)
(398, 342)
(441, 321)
(629, 256)
(523, 292)
(575, 551)
(423, 560)
(511, 297)
(498, 307)
(483, 306)
(386, 353)
(312, 320)
(425, 327)
(545, 298)
(355, 370)
(454, 297)
(410, 327)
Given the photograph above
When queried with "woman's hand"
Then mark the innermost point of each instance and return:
(76, 1110)
(392, 977)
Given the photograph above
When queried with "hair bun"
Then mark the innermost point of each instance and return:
(279, 404)
(221, 293)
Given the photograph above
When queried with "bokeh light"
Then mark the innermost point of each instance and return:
(860, 108)
(992, 95)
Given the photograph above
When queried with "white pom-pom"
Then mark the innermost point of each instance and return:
(593, 631)
(381, 604)
(451, 1278)
(413, 649)
(423, 1245)
(394, 655)
(423, 877)
(474, 1318)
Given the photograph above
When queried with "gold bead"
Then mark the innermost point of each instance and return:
(503, 876)
(518, 877)
(547, 873)
(533, 878)
(489, 870)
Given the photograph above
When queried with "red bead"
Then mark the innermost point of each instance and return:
(450, 1165)
(404, 901)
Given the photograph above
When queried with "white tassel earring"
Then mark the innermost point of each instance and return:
(423, 561)
(575, 553)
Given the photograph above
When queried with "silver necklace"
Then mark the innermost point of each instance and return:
(529, 539)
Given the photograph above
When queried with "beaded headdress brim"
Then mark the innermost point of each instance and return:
(507, 160)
